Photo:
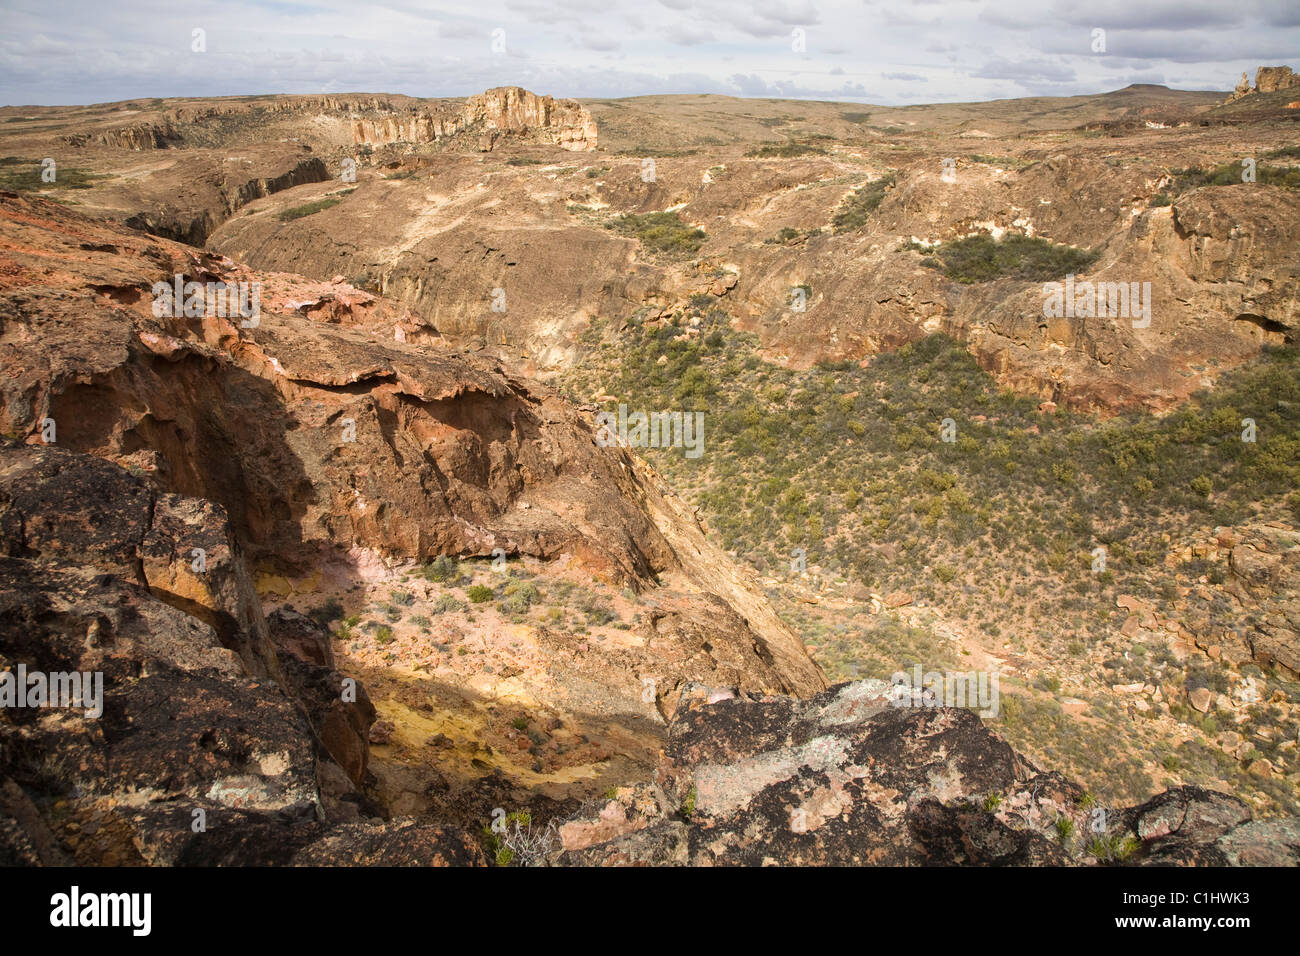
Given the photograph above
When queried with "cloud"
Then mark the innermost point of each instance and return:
(1177, 15)
(791, 14)
(462, 30)
(1036, 69)
(688, 34)
(598, 42)
(942, 50)
(750, 85)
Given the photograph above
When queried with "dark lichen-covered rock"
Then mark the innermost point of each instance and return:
(300, 636)
(60, 509)
(849, 777)
(340, 715)
(833, 780)
(1261, 843)
(183, 749)
(969, 835)
(338, 708)
(395, 844)
(1181, 827)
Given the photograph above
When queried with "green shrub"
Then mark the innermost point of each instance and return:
(854, 211)
(443, 569)
(1113, 848)
(308, 209)
(1229, 174)
(447, 603)
(980, 258)
(479, 593)
(787, 234)
(688, 805)
(661, 233)
(25, 174)
(785, 151)
(519, 596)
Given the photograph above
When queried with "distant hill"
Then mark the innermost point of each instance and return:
(683, 121)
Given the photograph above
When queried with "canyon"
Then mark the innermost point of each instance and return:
(367, 585)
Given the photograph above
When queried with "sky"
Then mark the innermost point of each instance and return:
(863, 51)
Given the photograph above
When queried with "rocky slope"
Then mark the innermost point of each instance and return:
(215, 746)
(237, 744)
(330, 447)
(849, 778)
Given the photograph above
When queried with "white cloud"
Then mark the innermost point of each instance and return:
(942, 50)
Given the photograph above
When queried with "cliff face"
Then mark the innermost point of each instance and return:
(327, 428)
(510, 109)
(503, 111)
(322, 439)
(140, 137)
(1268, 79)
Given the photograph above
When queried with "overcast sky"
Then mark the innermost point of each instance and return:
(873, 51)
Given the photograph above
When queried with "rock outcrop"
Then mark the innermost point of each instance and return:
(511, 109)
(189, 742)
(850, 778)
(1268, 79)
(506, 111)
(141, 137)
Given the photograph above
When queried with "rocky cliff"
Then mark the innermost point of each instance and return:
(214, 744)
(1268, 79)
(506, 111)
